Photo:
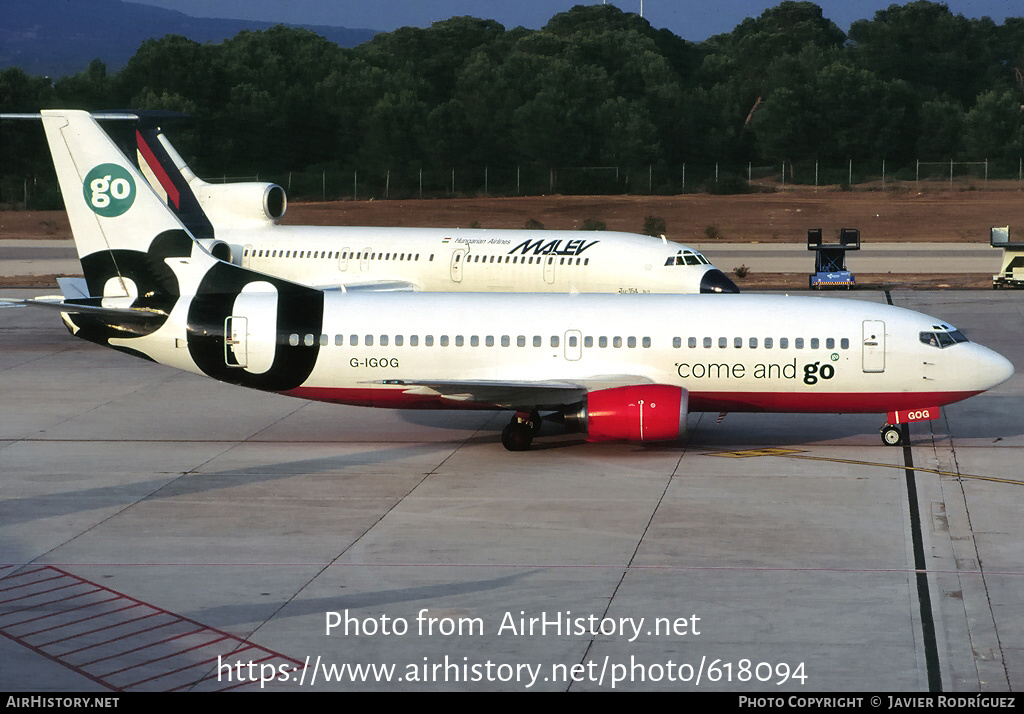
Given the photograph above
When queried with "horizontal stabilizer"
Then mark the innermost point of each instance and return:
(84, 309)
(73, 288)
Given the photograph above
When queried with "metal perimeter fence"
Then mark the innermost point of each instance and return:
(330, 183)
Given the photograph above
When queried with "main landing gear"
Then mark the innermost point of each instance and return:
(519, 433)
(892, 435)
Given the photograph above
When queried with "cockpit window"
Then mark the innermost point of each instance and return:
(687, 258)
(943, 339)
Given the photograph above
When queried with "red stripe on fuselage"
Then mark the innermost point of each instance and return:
(395, 397)
(158, 170)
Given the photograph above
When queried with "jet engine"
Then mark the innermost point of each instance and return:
(231, 204)
(650, 412)
(222, 251)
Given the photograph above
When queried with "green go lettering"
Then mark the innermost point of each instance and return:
(109, 190)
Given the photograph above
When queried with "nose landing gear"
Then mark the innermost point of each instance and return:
(892, 435)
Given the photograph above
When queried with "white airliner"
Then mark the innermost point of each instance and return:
(238, 222)
(615, 367)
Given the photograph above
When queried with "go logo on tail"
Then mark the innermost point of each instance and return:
(109, 190)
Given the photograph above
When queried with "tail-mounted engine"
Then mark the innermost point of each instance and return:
(222, 251)
(238, 203)
(654, 412)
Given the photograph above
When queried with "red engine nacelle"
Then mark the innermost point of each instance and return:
(654, 412)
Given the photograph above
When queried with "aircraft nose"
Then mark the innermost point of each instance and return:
(995, 369)
(715, 281)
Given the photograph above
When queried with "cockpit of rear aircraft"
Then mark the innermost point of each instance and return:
(687, 257)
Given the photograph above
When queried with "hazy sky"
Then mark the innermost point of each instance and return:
(693, 20)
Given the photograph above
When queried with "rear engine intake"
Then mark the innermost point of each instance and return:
(231, 203)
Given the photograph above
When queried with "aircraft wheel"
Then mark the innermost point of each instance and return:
(517, 437)
(892, 435)
(535, 422)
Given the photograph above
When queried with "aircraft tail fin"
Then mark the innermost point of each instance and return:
(123, 231)
(168, 174)
(109, 203)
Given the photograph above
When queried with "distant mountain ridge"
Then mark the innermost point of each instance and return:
(56, 38)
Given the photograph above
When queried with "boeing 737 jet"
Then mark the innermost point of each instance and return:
(614, 367)
(238, 222)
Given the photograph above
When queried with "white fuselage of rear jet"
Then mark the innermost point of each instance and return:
(472, 260)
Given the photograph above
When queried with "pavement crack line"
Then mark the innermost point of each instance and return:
(636, 549)
(975, 629)
(355, 541)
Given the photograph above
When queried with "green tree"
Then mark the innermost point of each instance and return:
(927, 45)
(785, 29)
(940, 130)
(90, 89)
(23, 151)
(993, 128)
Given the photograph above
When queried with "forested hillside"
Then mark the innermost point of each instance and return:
(468, 105)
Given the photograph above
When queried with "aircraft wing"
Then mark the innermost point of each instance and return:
(512, 394)
(377, 286)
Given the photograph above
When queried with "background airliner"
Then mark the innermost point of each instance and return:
(616, 367)
(238, 223)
